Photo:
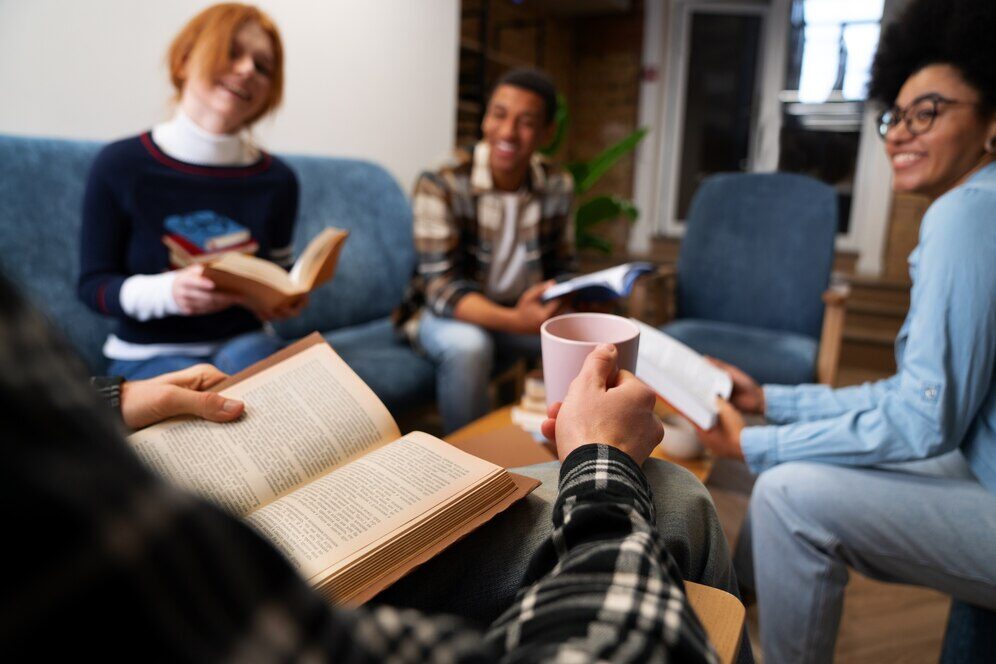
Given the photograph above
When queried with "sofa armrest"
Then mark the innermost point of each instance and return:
(831, 337)
(652, 299)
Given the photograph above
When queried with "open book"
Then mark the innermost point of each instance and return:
(680, 376)
(266, 284)
(318, 466)
(605, 284)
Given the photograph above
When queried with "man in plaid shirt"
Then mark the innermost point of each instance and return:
(491, 231)
(107, 559)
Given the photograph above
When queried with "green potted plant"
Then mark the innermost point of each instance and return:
(592, 211)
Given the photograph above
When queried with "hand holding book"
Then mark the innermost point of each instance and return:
(268, 288)
(196, 295)
(723, 438)
(318, 466)
(682, 377)
(608, 284)
(747, 395)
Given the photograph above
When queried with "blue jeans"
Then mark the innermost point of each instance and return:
(233, 356)
(466, 357)
(927, 523)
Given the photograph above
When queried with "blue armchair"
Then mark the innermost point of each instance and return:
(753, 276)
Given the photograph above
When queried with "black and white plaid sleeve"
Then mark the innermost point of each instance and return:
(602, 587)
(110, 560)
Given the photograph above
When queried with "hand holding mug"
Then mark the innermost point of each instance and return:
(606, 405)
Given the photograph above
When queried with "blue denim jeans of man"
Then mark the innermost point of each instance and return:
(466, 357)
(928, 523)
(233, 356)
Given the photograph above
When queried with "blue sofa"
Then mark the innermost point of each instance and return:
(41, 190)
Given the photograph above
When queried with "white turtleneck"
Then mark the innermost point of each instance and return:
(182, 139)
(148, 296)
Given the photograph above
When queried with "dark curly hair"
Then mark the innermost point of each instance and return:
(539, 83)
(960, 33)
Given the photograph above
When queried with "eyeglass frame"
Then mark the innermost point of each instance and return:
(903, 114)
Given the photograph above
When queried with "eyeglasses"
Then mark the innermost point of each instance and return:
(919, 116)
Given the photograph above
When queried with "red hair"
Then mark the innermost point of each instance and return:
(206, 40)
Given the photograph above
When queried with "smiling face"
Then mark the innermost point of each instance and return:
(953, 148)
(233, 98)
(514, 127)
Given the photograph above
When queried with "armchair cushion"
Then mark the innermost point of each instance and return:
(398, 375)
(769, 356)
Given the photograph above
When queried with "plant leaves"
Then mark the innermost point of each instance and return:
(596, 168)
(594, 242)
(578, 171)
(562, 121)
(603, 208)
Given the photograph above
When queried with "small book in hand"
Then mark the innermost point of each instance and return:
(688, 382)
(267, 285)
(318, 466)
(607, 284)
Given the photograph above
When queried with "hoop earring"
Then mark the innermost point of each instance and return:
(990, 145)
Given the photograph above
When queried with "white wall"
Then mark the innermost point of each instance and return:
(364, 78)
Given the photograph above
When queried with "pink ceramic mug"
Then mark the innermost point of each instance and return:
(567, 340)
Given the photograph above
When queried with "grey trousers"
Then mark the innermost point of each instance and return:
(477, 577)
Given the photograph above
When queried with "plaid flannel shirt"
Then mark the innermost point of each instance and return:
(458, 217)
(110, 560)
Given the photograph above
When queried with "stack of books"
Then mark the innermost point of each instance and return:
(200, 237)
(530, 412)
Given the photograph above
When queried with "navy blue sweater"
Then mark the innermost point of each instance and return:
(132, 188)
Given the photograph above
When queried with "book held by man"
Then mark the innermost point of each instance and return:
(608, 284)
(318, 466)
(688, 382)
(266, 284)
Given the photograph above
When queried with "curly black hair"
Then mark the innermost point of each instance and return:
(536, 81)
(960, 33)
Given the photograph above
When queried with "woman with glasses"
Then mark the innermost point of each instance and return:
(897, 478)
(194, 184)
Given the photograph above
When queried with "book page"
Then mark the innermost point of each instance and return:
(680, 375)
(231, 271)
(324, 525)
(319, 259)
(303, 416)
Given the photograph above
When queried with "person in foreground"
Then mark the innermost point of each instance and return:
(897, 478)
(492, 231)
(113, 560)
(201, 170)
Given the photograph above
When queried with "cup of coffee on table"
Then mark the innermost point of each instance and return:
(567, 340)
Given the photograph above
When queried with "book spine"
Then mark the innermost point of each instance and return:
(182, 247)
(183, 243)
(229, 241)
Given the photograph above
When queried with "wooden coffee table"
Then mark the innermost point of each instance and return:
(502, 418)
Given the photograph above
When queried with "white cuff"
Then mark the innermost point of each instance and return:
(148, 296)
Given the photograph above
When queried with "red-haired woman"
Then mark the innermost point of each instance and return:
(196, 173)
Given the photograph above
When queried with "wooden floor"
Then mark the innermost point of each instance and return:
(882, 623)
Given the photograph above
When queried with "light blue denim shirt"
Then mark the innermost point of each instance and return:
(944, 394)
